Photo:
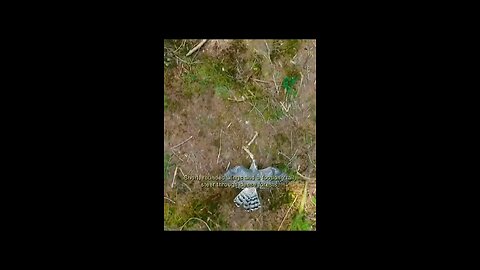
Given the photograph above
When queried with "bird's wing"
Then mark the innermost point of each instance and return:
(237, 171)
(272, 171)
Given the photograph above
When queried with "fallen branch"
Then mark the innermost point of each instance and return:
(182, 142)
(196, 47)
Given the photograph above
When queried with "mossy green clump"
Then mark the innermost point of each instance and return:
(210, 74)
(300, 223)
(288, 84)
(206, 208)
(172, 218)
(222, 92)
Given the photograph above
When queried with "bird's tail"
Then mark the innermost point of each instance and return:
(248, 199)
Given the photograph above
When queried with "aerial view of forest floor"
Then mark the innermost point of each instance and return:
(219, 95)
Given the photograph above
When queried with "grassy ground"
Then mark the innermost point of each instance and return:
(215, 100)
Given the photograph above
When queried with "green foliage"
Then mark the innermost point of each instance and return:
(288, 84)
(300, 223)
(222, 91)
(209, 74)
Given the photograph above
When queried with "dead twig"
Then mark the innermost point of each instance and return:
(285, 108)
(275, 82)
(182, 142)
(220, 147)
(181, 46)
(285, 155)
(279, 227)
(303, 176)
(181, 172)
(248, 152)
(301, 80)
(187, 186)
(254, 137)
(292, 157)
(174, 174)
(181, 228)
(262, 81)
(175, 154)
(268, 51)
(196, 47)
(168, 199)
(261, 114)
(237, 100)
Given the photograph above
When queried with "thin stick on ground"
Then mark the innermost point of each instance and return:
(268, 51)
(174, 174)
(254, 137)
(187, 186)
(181, 228)
(181, 172)
(303, 176)
(168, 199)
(261, 114)
(287, 213)
(237, 100)
(196, 47)
(219, 148)
(262, 81)
(249, 153)
(175, 155)
(182, 142)
(275, 82)
(291, 159)
(285, 155)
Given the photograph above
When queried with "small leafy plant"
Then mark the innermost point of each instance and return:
(288, 84)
